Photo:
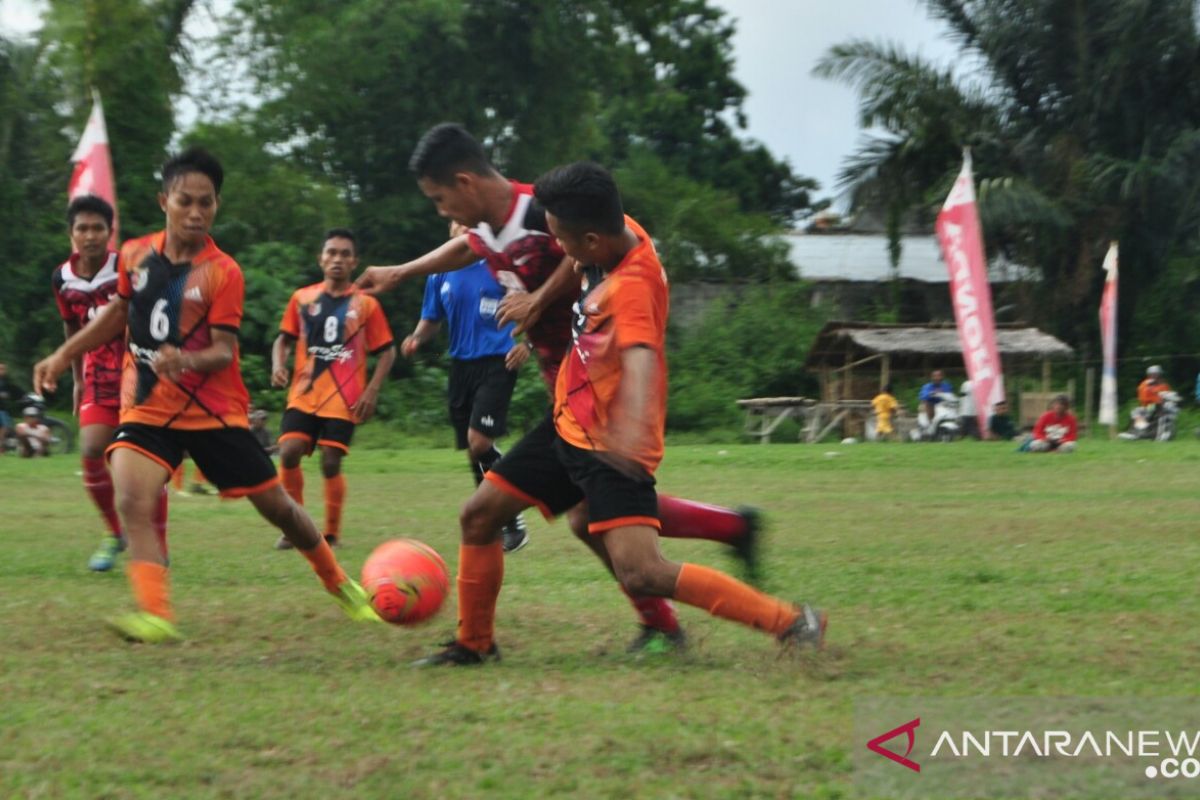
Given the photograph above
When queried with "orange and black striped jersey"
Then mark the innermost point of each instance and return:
(180, 305)
(627, 307)
(334, 335)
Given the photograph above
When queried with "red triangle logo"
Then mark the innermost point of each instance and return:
(875, 745)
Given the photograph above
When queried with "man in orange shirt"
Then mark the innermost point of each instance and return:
(1151, 389)
(334, 327)
(604, 439)
(180, 299)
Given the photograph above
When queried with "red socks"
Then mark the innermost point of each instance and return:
(654, 612)
(98, 483)
(685, 519)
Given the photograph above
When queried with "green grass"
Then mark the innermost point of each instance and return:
(958, 570)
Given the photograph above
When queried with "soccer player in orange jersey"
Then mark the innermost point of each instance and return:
(179, 300)
(507, 228)
(604, 439)
(334, 327)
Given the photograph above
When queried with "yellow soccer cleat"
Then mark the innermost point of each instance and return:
(354, 601)
(145, 628)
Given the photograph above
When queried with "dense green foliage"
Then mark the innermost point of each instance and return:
(314, 108)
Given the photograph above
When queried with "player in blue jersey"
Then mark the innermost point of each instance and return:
(484, 361)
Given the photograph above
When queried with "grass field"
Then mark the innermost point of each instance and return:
(958, 570)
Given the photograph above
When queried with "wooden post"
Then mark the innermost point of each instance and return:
(1046, 376)
(885, 373)
(1089, 397)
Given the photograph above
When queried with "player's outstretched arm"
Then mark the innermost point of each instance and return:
(280, 353)
(526, 308)
(108, 324)
(425, 331)
(365, 407)
(453, 254)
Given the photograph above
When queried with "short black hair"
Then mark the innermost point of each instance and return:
(1062, 398)
(340, 233)
(193, 159)
(89, 204)
(583, 196)
(887, 388)
(446, 149)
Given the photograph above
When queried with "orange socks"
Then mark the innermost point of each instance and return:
(293, 482)
(325, 564)
(480, 573)
(729, 598)
(150, 589)
(335, 496)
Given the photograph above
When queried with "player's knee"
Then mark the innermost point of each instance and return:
(331, 463)
(479, 522)
(92, 450)
(478, 445)
(135, 506)
(290, 453)
(643, 577)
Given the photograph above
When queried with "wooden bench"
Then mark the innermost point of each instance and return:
(765, 414)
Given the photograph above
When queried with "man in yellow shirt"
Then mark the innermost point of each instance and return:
(885, 406)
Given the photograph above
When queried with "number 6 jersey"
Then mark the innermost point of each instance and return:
(180, 305)
(334, 334)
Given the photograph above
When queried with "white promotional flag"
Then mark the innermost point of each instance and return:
(1108, 340)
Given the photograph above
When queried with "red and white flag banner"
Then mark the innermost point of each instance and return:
(961, 237)
(93, 172)
(1108, 339)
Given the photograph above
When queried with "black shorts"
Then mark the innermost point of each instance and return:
(545, 471)
(231, 458)
(324, 431)
(480, 391)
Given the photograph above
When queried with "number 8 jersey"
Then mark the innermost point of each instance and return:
(180, 305)
(334, 334)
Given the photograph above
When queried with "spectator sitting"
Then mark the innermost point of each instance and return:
(929, 392)
(885, 406)
(258, 426)
(33, 437)
(1151, 389)
(968, 420)
(1001, 425)
(1057, 429)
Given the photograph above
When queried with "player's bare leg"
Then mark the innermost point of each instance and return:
(277, 508)
(642, 569)
(291, 452)
(139, 482)
(480, 575)
(660, 630)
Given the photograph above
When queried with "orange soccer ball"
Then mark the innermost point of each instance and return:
(407, 581)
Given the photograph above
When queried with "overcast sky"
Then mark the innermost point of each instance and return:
(810, 122)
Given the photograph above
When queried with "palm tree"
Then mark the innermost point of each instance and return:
(1083, 121)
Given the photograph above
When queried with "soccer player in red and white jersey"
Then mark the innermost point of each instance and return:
(179, 302)
(84, 284)
(508, 229)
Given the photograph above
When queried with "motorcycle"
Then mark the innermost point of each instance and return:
(943, 426)
(1155, 423)
(62, 438)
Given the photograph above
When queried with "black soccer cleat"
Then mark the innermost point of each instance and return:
(514, 535)
(457, 654)
(808, 629)
(746, 546)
